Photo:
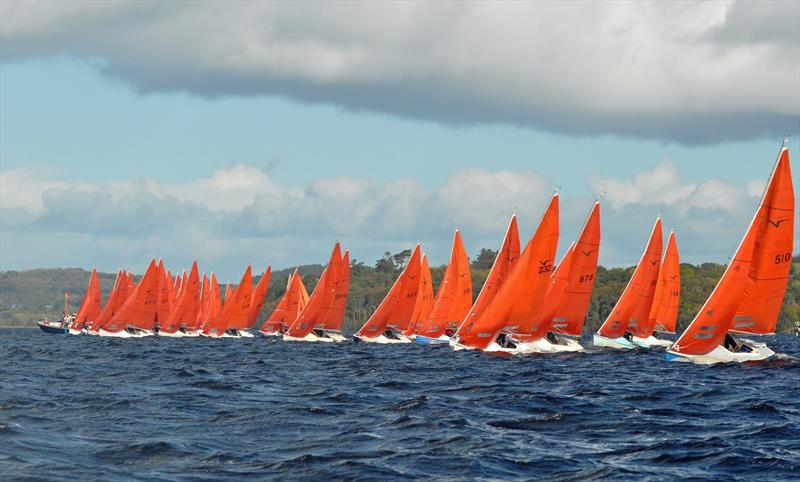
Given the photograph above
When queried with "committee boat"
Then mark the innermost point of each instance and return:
(748, 297)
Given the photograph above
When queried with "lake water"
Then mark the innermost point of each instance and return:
(79, 408)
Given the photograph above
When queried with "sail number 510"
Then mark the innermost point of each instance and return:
(783, 258)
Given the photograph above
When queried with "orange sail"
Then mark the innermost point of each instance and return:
(666, 299)
(289, 307)
(139, 310)
(501, 268)
(454, 298)
(633, 307)
(570, 315)
(215, 304)
(185, 313)
(523, 290)
(768, 277)
(555, 292)
(397, 307)
(236, 306)
(176, 286)
(425, 298)
(116, 298)
(257, 301)
(228, 293)
(90, 306)
(163, 308)
(748, 297)
(205, 304)
(321, 299)
(335, 316)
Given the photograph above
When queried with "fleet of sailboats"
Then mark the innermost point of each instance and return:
(527, 304)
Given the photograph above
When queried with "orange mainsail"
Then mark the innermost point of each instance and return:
(289, 307)
(163, 308)
(768, 277)
(570, 315)
(503, 262)
(525, 287)
(187, 306)
(321, 299)
(397, 307)
(454, 298)
(633, 307)
(335, 316)
(748, 297)
(555, 292)
(257, 301)
(234, 311)
(139, 310)
(90, 306)
(667, 297)
(425, 298)
(116, 298)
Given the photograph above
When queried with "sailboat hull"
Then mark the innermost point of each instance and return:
(126, 334)
(329, 337)
(620, 343)
(426, 340)
(544, 345)
(758, 352)
(382, 340)
(651, 342)
(53, 328)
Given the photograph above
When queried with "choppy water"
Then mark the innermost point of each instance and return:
(160, 408)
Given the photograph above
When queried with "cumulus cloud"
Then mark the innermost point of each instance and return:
(694, 72)
(48, 223)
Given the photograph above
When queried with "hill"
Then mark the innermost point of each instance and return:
(26, 296)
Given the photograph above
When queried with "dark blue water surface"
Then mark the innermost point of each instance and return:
(164, 408)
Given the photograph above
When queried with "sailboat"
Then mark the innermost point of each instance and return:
(137, 316)
(329, 296)
(182, 318)
(114, 301)
(633, 307)
(90, 306)
(666, 300)
(453, 299)
(256, 303)
(560, 317)
(503, 262)
(748, 297)
(519, 296)
(288, 308)
(394, 314)
(425, 299)
(234, 310)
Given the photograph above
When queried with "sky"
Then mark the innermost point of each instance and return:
(257, 132)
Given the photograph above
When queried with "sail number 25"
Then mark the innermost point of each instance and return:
(783, 258)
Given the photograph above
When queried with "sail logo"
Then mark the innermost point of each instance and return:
(776, 223)
(545, 266)
(587, 253)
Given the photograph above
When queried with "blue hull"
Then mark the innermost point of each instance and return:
(54, 330)
(424, 340)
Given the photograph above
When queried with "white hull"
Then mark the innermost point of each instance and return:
(720, 354)
(179, 334)
(651, 342)
(271, 333)
(75, 332)
(383, 340)
(331, 337)
(126, 334)
(543, 345)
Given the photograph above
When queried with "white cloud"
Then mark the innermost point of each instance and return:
(48, 223)
(694, 72)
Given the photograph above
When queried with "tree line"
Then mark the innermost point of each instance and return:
(26, 296)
